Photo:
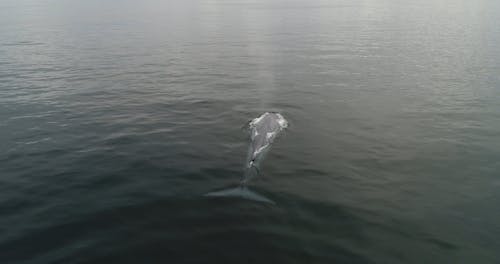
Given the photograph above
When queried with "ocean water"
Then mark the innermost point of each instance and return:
(116, 117)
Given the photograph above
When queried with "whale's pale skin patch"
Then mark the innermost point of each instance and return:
(263, 130)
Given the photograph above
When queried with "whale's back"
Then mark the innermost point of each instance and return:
(264, 129)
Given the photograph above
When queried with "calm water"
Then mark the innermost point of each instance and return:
(117, 116)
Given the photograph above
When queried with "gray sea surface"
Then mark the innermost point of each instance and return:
(117, 116)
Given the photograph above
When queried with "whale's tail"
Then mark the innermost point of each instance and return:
(240, 192)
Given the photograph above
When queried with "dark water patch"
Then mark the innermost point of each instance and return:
(203, 229)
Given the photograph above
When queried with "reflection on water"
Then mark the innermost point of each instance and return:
(116, 118)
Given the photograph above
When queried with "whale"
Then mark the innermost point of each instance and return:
(263, 131)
